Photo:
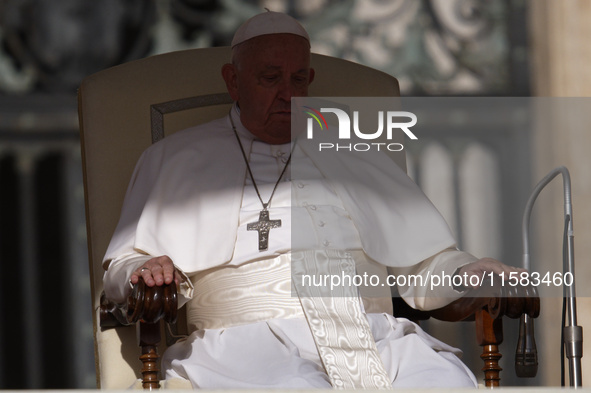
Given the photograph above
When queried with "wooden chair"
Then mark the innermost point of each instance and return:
(122, 110)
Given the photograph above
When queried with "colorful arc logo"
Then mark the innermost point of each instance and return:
(315, 114)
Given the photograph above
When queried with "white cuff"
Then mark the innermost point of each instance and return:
(435, 292)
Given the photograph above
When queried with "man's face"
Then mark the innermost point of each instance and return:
(266, 74)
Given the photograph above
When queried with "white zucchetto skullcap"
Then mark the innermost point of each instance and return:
(268, 23)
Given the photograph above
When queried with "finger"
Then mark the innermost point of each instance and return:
(135, 276)
(157, 274)
(146, 274)
(163, 270)
(512, 269)
(496, 267)
(168, 271)
(492, 265)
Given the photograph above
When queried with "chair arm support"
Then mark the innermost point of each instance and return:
(150, 304)
(486, 305)
(145, 304)
(498, 301)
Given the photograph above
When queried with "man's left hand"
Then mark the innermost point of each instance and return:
(485, 266)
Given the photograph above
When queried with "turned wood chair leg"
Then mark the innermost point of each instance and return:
(491, 356)
(149, 335)
(489, 334)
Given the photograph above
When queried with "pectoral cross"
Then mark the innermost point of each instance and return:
(263, 226)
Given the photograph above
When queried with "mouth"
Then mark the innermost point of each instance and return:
(285, 115)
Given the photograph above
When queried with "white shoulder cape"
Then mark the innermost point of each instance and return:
(184, 199)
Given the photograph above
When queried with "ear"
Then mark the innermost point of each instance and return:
(231, 78)
(311, 76)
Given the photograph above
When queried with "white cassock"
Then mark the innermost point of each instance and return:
(191, 199)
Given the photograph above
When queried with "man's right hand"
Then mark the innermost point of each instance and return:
(156, 271)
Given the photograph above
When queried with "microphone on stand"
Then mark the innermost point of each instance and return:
(526, 354)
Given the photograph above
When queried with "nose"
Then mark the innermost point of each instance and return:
(285, 90)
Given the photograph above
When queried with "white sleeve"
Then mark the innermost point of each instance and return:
(432, 277)
(116, 279)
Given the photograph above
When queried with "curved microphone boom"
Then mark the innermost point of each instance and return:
(573, 334)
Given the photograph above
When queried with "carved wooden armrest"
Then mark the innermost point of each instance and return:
(486, 306)
(146, 305)
(497, 300)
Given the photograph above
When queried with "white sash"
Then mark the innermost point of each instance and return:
(339, 326)
(262, 290)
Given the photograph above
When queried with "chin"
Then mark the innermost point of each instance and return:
(282, 133)
(277, 139)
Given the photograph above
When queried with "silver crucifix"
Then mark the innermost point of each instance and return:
(263, 226)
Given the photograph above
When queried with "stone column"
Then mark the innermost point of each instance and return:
(560, 42)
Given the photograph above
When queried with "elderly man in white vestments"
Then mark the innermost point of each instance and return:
(188, 217)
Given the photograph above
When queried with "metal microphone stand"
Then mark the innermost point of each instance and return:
(573, 334)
